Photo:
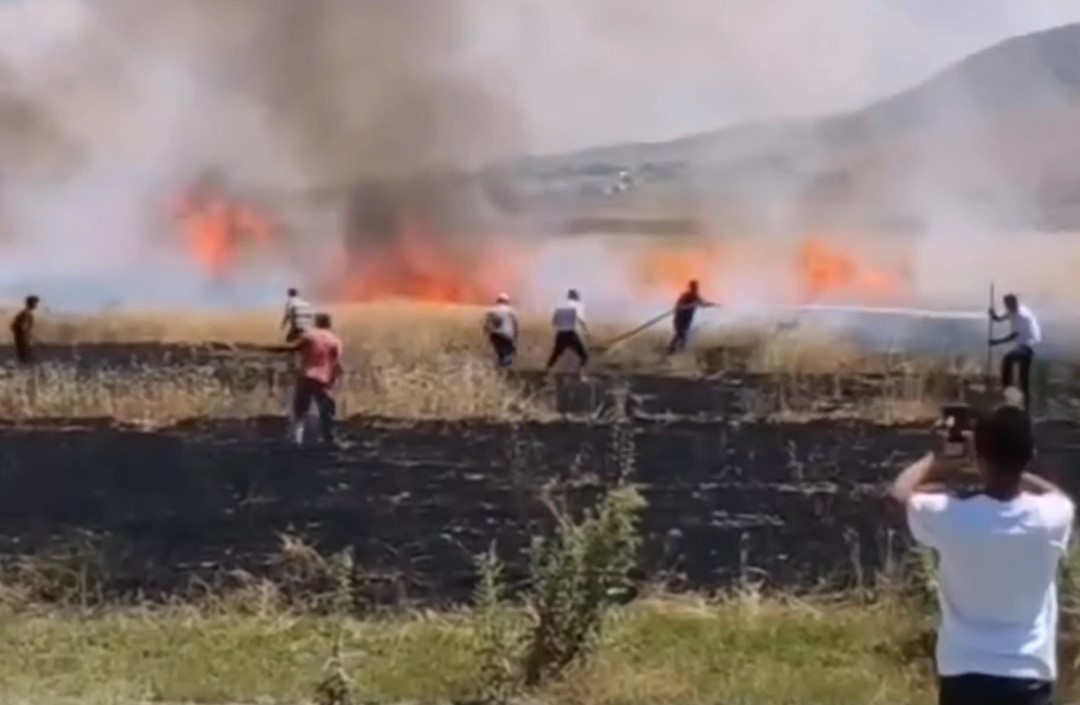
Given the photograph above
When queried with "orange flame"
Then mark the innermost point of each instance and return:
(216, 230)
(828, 270)
(819, 268)
(419, 265)
(668, 270)
(418, 262)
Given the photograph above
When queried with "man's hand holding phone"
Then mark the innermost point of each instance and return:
(955, 453)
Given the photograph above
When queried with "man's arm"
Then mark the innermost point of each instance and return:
(701, 302)
(994, 316)
(338, 369)
(285, 317)
(1030, 482)
(914, 478)
(925, 499)
(286, 348)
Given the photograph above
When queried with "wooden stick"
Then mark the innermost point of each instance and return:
(989, 337)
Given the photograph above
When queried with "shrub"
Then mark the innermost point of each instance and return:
(577, 575)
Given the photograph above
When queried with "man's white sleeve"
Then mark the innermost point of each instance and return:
(1058, 512)
(926, 517)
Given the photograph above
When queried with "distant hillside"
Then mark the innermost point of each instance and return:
(994, 138)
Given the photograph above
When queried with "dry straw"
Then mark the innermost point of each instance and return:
(423, 362)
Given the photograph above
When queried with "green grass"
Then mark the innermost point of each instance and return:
(741, 650)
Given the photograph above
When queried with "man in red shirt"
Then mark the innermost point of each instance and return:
(685, 307)
(320, 368)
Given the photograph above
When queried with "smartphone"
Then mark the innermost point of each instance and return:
(955, 425)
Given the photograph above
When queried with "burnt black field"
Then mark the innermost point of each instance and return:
(731, 498)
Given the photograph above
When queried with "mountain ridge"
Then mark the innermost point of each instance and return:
(1053, 53)
(990, 142)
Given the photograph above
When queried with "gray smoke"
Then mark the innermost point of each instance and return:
(108, 105)
(284, 98)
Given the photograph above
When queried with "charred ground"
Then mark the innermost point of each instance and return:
(747, 476)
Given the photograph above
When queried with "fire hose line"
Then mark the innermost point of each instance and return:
(808, 308)
(614, 342)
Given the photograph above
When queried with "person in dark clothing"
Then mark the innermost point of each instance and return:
(22, 331)
(685, 307)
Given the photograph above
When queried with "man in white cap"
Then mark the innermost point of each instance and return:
(501, 326)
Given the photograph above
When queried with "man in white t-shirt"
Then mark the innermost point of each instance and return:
(999, 551)
(501, 326)
(568, 320)
(1024, 334)
(298, 317)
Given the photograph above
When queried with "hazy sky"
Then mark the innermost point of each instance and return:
(590, 71)
(646, 69)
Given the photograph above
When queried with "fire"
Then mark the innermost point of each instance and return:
(410, 259)
(660, 270)
(420, 265)
(217, 230)
(817, 268)
(827, 270)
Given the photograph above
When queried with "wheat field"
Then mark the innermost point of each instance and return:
(413, 361)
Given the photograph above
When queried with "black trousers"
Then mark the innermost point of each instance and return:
(312, 390)
(505, 349)
(24, 352)
(979, 689)
(678, 339)
(1020, 357)
(568, 340)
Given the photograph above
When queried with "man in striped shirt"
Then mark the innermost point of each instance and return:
(298, 317)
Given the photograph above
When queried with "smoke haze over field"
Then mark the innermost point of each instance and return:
(134, 97)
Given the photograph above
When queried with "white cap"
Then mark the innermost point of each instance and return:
(502, 298)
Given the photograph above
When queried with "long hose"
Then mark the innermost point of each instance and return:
(614, 342)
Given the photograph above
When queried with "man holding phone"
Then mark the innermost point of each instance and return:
(999, 551)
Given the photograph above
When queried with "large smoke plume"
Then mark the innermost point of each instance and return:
(111, 105)
(291, 99)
